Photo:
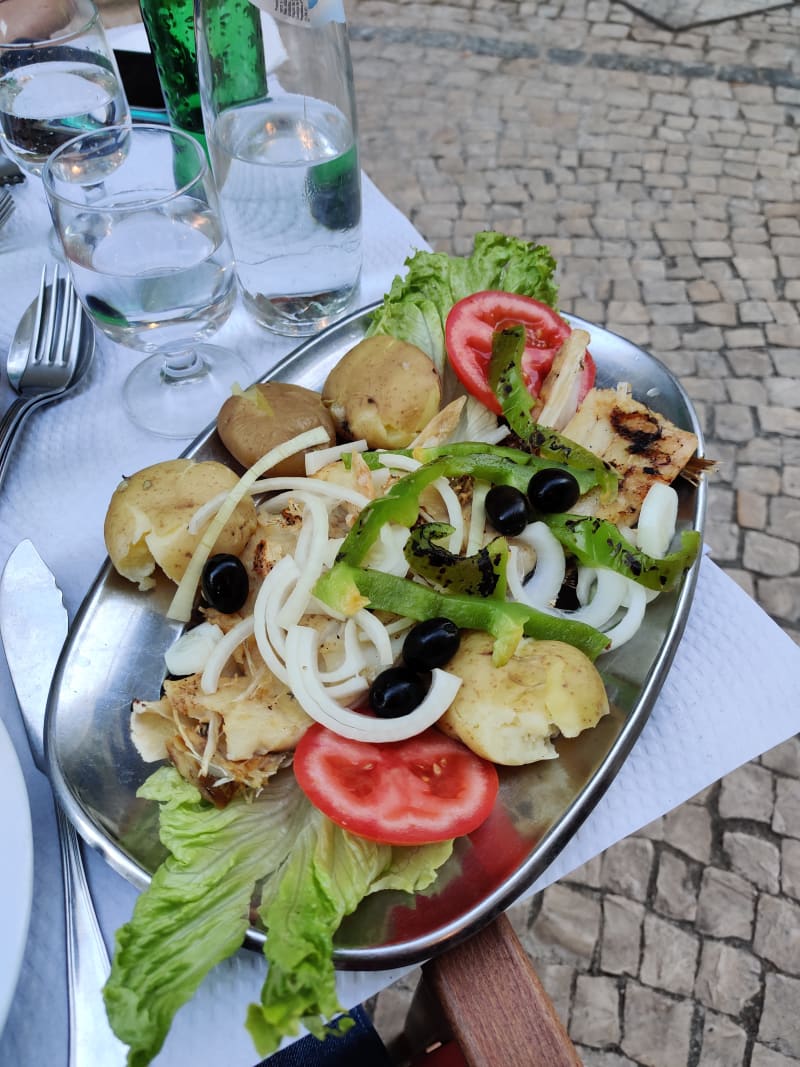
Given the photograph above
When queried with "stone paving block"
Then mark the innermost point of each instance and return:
(790, 868)
(728, 978)
(620, 949)
(777, 934)
(567, 926)
(784, 759)
(688, 829)
(724, 1043)
(677, 885)
(557, 979)
(656, 1027)
(726, 905)
(786, 819)
(767, 1057)
(747, 793)
(627, 867)
(780, 1020)
(757, 860)
(669, 956)
(595, 1011)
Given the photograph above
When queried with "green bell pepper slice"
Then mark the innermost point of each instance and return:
(598, 543)
(481, 574)
(508, 385)
(506, 621)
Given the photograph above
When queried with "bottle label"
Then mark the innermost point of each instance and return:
(309, 12)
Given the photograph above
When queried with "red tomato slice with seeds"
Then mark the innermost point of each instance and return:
(427, 788)
(468, 339)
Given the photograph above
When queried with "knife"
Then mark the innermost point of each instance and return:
(33, 626)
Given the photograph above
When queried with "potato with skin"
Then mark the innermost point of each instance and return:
(383, 390)
(509, 714)
(267, 414)
(147, 522)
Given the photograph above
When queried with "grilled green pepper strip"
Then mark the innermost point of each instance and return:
(505, 620)
(401, 503)
(586, 479)
(598, 543)
(481, 574)
(508, 385)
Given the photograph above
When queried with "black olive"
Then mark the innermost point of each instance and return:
(507, 509)
(225, 583)
(431, 644)
(395, 692)
(552, 490)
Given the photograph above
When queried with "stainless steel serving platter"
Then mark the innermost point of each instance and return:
(115, 653)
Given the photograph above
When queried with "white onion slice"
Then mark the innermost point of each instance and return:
(274, 590)
(315, 520)
(657, 519)
(548, 575)
(301, 648)
(353, 659)
(387, 553)
(190, 652)
(477, 518)
(515, 573)
(455, 516)
(315, 461)
(337, 494)
(401, 463)
(376, 632)
(209, 682)
(587, 576)
(636, 600)
(608, 596)
(182, 602)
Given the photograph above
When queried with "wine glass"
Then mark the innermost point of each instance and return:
(137, 214)
(58, 77)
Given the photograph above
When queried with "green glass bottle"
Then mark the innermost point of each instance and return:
(169, 25)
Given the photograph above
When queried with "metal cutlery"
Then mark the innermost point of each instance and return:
(6, 207)
(49, 354)
(33, 624)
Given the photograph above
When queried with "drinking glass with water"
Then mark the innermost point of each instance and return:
(138, 218)
(58, 77)
(286, 161)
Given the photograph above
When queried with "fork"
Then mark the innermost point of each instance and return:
(48, 367)
(6, 207)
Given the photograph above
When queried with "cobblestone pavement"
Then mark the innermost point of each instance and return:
(662, 169)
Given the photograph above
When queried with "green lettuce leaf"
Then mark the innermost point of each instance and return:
(416, 307)
(197, 908)
(328, 874)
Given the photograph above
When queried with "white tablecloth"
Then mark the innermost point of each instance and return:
(731, 694)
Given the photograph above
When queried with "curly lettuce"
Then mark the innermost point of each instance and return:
(417, 305)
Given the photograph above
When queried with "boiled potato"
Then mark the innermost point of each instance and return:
(509, 714)
(148, 517)
(266, 415)
(384, 391)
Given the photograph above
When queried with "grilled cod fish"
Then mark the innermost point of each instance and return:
(640, 444)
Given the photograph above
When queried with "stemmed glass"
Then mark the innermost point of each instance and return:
(137, 214)
(58, 77)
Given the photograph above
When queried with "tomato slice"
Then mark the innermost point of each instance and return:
(428, 788)
(468, 339)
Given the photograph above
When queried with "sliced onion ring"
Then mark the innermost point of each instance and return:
(301, 657)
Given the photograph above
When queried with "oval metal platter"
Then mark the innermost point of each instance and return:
(115, 653)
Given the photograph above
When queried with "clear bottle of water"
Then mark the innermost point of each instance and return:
(286, 162)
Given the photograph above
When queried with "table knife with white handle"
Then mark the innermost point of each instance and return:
(33, 625)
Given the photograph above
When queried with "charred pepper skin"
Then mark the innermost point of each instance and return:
(481, 574)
